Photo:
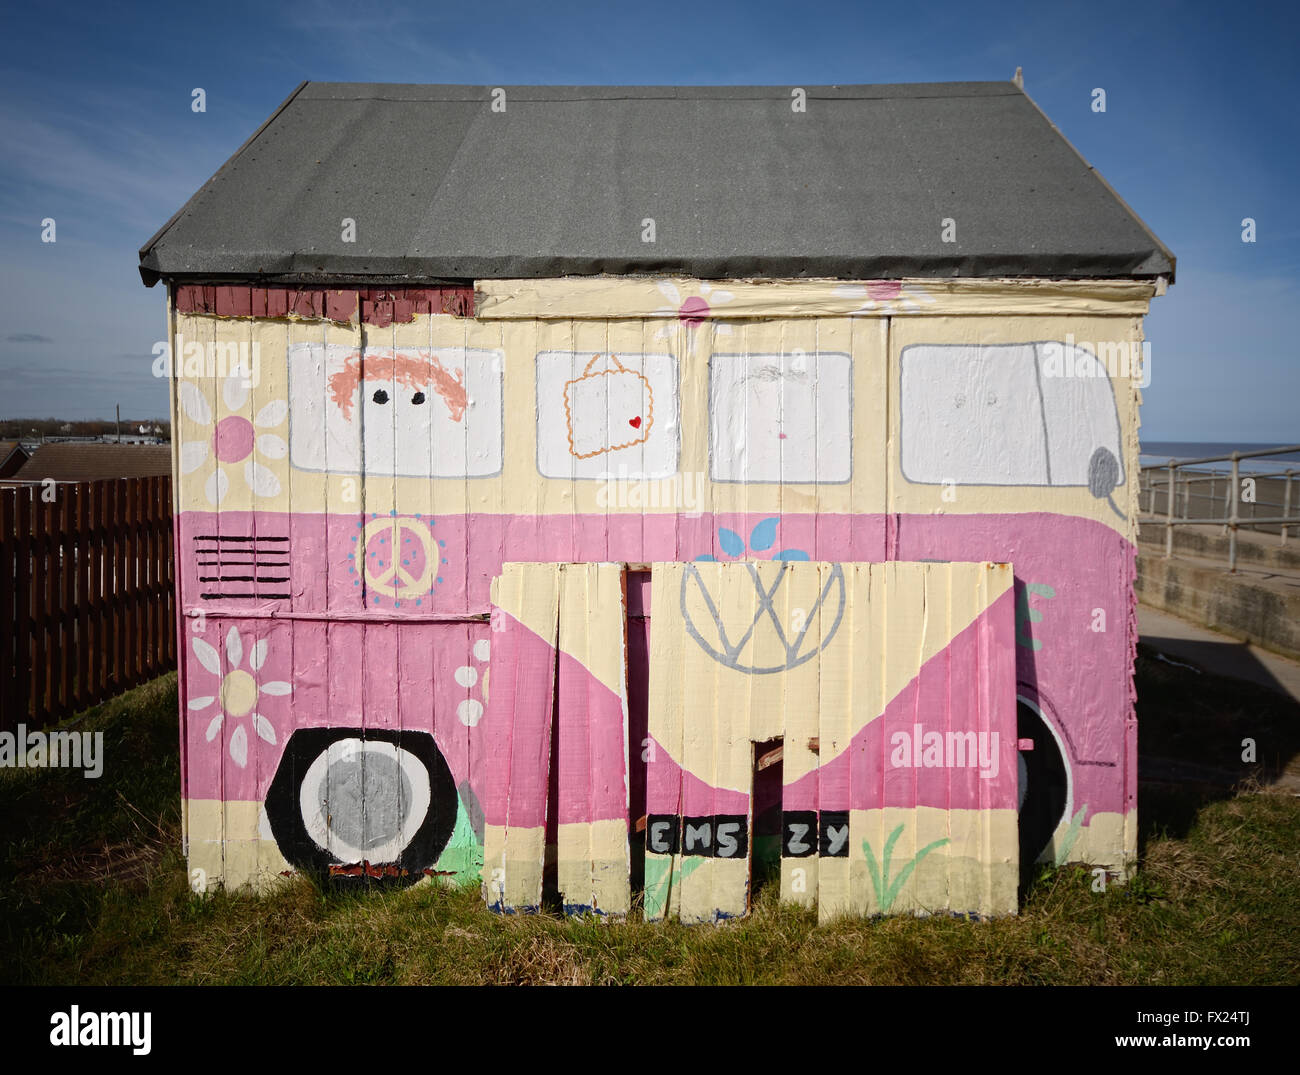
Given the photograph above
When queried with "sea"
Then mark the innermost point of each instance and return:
(1161, 451)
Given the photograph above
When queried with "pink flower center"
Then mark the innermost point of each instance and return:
(693, 310)
(233, 439)
(884, 290)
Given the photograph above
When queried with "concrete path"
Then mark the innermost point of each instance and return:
(1218, 654)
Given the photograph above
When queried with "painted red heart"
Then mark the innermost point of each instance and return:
(635, 423)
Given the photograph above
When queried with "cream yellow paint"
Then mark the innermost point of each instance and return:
(230, 845)
(876, 486)
(605, 297)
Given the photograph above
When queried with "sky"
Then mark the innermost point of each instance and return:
(1200, 132)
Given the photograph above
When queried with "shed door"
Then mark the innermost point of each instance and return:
(555, 737)
(892, 690)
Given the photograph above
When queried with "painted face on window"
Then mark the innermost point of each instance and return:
(781, 418)
(405, 413)
(1009, 414)
(401, 423)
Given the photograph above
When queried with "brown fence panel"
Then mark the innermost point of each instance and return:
(22, 573)
(39, 567)
(8, 600)
(86, 594)
(81, 697)
(167, 561)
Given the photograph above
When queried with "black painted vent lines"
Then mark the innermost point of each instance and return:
(235, 568)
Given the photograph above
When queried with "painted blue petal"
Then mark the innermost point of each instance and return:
(707, 556)
(731, 542)
(762, 536)
(791, 554)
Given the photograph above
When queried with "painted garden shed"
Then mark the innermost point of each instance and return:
(607, 490)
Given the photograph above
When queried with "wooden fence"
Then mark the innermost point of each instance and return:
(86, 594)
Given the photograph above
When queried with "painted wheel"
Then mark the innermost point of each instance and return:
(348, 801)
(1044, 784)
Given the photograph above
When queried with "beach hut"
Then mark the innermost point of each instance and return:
(640, 494)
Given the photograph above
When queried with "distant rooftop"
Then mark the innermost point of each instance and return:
(738, 184)
(12, 457)
(72, 462)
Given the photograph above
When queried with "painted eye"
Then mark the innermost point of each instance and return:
(380, 396)
(418, 398)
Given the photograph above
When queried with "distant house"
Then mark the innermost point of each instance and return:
(12, 458)
(82, 462)
(143, 434)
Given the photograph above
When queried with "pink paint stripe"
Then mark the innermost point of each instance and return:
(669, 786)
(515, 730)
(944, 697)
(1080, 678)
(574, 776)
(591, 719)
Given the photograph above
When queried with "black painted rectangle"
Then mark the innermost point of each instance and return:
(724, 836)
(833, 834)
(799, 834)
(663, 834)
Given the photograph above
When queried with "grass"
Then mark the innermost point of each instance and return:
(93, 889)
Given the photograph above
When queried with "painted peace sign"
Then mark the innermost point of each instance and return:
(391, 567)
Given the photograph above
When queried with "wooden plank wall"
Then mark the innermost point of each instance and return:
(558, 710)
(86, 594)
(591, 746)
(847, 664)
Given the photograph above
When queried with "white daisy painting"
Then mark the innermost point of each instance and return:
(885, 296)
(230, 445)
(690, 310)
(239, 694)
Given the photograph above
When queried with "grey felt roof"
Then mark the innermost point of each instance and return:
(738, 184)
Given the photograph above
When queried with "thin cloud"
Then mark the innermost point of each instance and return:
(135, 178)
(27, 337)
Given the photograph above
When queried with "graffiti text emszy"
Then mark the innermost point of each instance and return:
(945, 750)
(807, 832)
(724, 836)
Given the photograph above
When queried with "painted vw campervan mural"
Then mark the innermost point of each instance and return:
(612, 586)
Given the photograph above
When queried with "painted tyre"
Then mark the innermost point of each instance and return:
(1044, 785)
(351, 801)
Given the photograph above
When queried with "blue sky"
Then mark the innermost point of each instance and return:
(1201, 130)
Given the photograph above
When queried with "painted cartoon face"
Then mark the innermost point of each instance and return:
(398, 422)
(779, 404)
(405, 413)
(1008, 414)
(972, 415)
(781, 418)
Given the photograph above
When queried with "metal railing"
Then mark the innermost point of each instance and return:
(1179, 481)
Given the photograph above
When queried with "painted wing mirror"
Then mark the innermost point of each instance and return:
(1103, 477)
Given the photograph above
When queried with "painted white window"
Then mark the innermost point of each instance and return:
(1079, 414)
(413, 412)
(781, 417)
(1008, 414)
(607, 415)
